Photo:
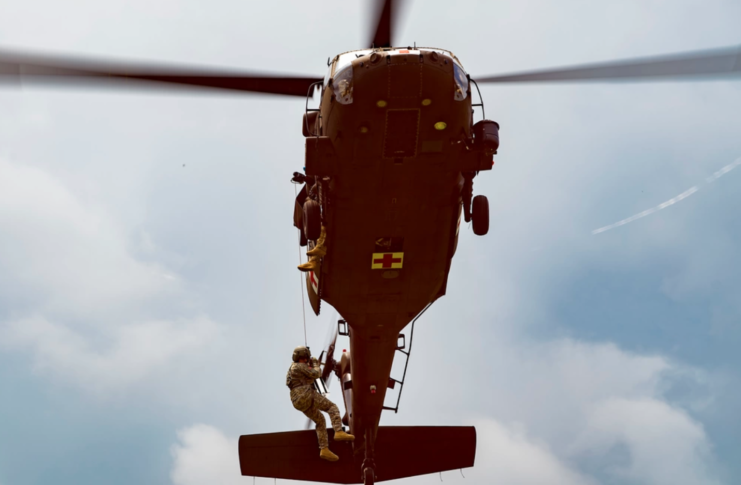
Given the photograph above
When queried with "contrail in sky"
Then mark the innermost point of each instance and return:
(673, 200)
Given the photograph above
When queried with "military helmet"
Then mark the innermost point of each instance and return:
(301, 353)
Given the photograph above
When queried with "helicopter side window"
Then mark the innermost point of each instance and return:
(327, 76)
(461, 82)
(343, 86)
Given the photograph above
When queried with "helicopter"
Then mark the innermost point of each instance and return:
(381, 196)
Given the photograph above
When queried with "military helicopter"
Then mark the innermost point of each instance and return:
(391, 154)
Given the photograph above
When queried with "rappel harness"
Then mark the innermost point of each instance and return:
(293, 385)
(289, 380)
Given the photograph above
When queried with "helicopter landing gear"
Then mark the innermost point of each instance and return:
(369, 463)
(480, 215)
(476, 210)
(369, 476)
(467, 193)
(312, 220)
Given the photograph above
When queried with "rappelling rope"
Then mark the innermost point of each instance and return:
(300, 277)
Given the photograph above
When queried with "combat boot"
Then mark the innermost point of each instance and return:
(342, 436)
(311, 265)
(320, 250)
(328, 455)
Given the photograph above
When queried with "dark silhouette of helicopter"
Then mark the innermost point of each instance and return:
(391, 155)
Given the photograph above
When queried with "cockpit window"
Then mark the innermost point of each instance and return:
(461, 83)
(342, 61)
(327, 76)
(342, 85)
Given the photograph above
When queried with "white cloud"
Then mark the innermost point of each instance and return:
(505, 454)
(592, 410)
(665, 445)
(125, 355)
(571, 376)
(66, 254)
(205, 456)
(78, 301)
(589, 400)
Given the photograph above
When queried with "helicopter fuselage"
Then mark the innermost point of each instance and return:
(390, 143)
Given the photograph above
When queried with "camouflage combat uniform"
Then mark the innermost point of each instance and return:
(305, 398)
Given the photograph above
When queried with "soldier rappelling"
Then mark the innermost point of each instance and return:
(300, 380)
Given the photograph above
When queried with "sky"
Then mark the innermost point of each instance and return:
(149, 300)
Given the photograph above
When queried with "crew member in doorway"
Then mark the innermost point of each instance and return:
(300, 380)
(315, 254)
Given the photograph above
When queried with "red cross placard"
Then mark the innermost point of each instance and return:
(387, 260)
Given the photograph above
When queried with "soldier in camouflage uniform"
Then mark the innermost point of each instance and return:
(300, 380)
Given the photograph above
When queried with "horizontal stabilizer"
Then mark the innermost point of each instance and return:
(401, 451)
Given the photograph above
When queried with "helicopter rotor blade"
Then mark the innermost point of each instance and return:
(383, 34)
(23, 67)
(709, 64)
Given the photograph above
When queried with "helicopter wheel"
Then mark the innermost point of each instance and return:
(312, 220)
(369, 476)
(480, 215)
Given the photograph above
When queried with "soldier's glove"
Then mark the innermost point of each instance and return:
(314, 362)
